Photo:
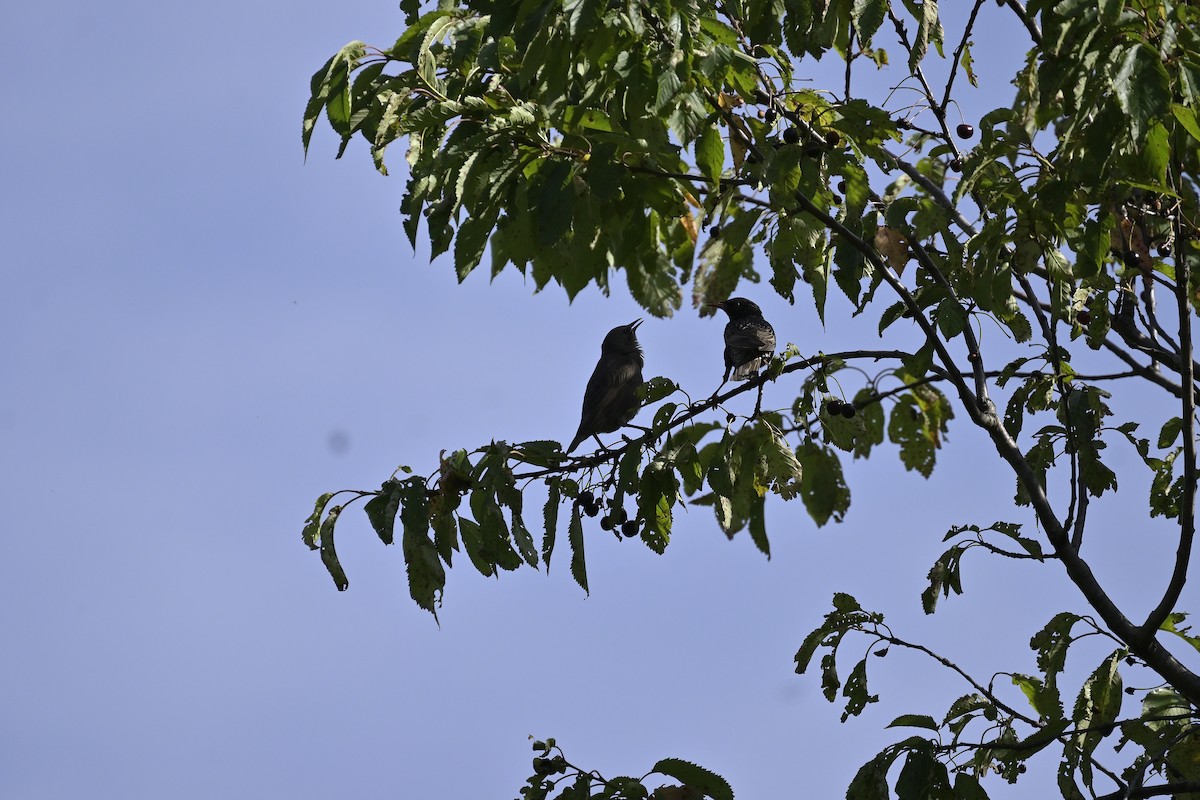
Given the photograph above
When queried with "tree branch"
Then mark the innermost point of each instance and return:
(579, 463)
(1182, 787)
(1030, 25)
(1149, 649)
(1187, 509)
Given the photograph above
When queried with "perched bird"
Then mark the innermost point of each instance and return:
(611, 398)
(749, 339)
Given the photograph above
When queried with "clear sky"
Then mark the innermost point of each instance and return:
(199, 334)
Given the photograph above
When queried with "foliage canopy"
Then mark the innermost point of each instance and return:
(675, 143)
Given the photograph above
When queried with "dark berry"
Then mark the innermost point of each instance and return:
(770, 116)
(619, 516)
(833, 407)
(833, 139)
(715, 231)
(586, 498)
(965, 131)
(792, 135)
(591, 510)
(973, 357)
(848, 410)
(1164, 250)
(606, 523)
(629, 528)
(841, 186)
(1083, 316)
(956, 165)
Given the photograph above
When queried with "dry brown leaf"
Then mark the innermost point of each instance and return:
(893, 247)
(689, 225)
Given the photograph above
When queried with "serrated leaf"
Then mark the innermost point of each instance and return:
(1186, 118)
(1142, 88)
(575, 538)
(1170, 432)
(914, 721)
(550, 515)
(329, 554)
(703, 780)
(312, 525)
(868, 15)
(822, 485)
(381, 510)
(710, 153)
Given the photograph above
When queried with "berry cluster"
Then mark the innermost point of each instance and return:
(835, 407)
(616, 520)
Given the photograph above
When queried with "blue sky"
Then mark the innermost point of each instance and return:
(200, 334)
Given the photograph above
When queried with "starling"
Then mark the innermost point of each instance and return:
(749, 339)
(611, 398)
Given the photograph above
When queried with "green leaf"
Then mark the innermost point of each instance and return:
(329, 554)
(914, 721)
(472, 539)
(868, 15)
(551, 517)
(578, 118)
(312, 525)
(575, 537)
(426, 575)
(822, 485)
(967, 787)
(555, 203)
(855, 691)
(1142, 88)
(329, 82)
(381, 509)
(922, 776)
(710, 153)
(696, 777)
(1097, 708)
(1173, 624)
(1170, 432)
(1186, 118)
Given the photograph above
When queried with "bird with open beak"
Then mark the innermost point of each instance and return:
(611, 399)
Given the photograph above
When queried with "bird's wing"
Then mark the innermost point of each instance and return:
(608, 384)
(757, 335)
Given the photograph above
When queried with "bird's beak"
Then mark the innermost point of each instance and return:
(720, 305)
(633, 326)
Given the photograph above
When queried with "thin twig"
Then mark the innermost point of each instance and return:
(958, 51)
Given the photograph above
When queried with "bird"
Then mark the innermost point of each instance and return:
(749, 339)
(611, 399)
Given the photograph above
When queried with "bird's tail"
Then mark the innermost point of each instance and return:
(748, 370)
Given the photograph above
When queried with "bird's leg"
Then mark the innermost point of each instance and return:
(758, 404)
(724, 380)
